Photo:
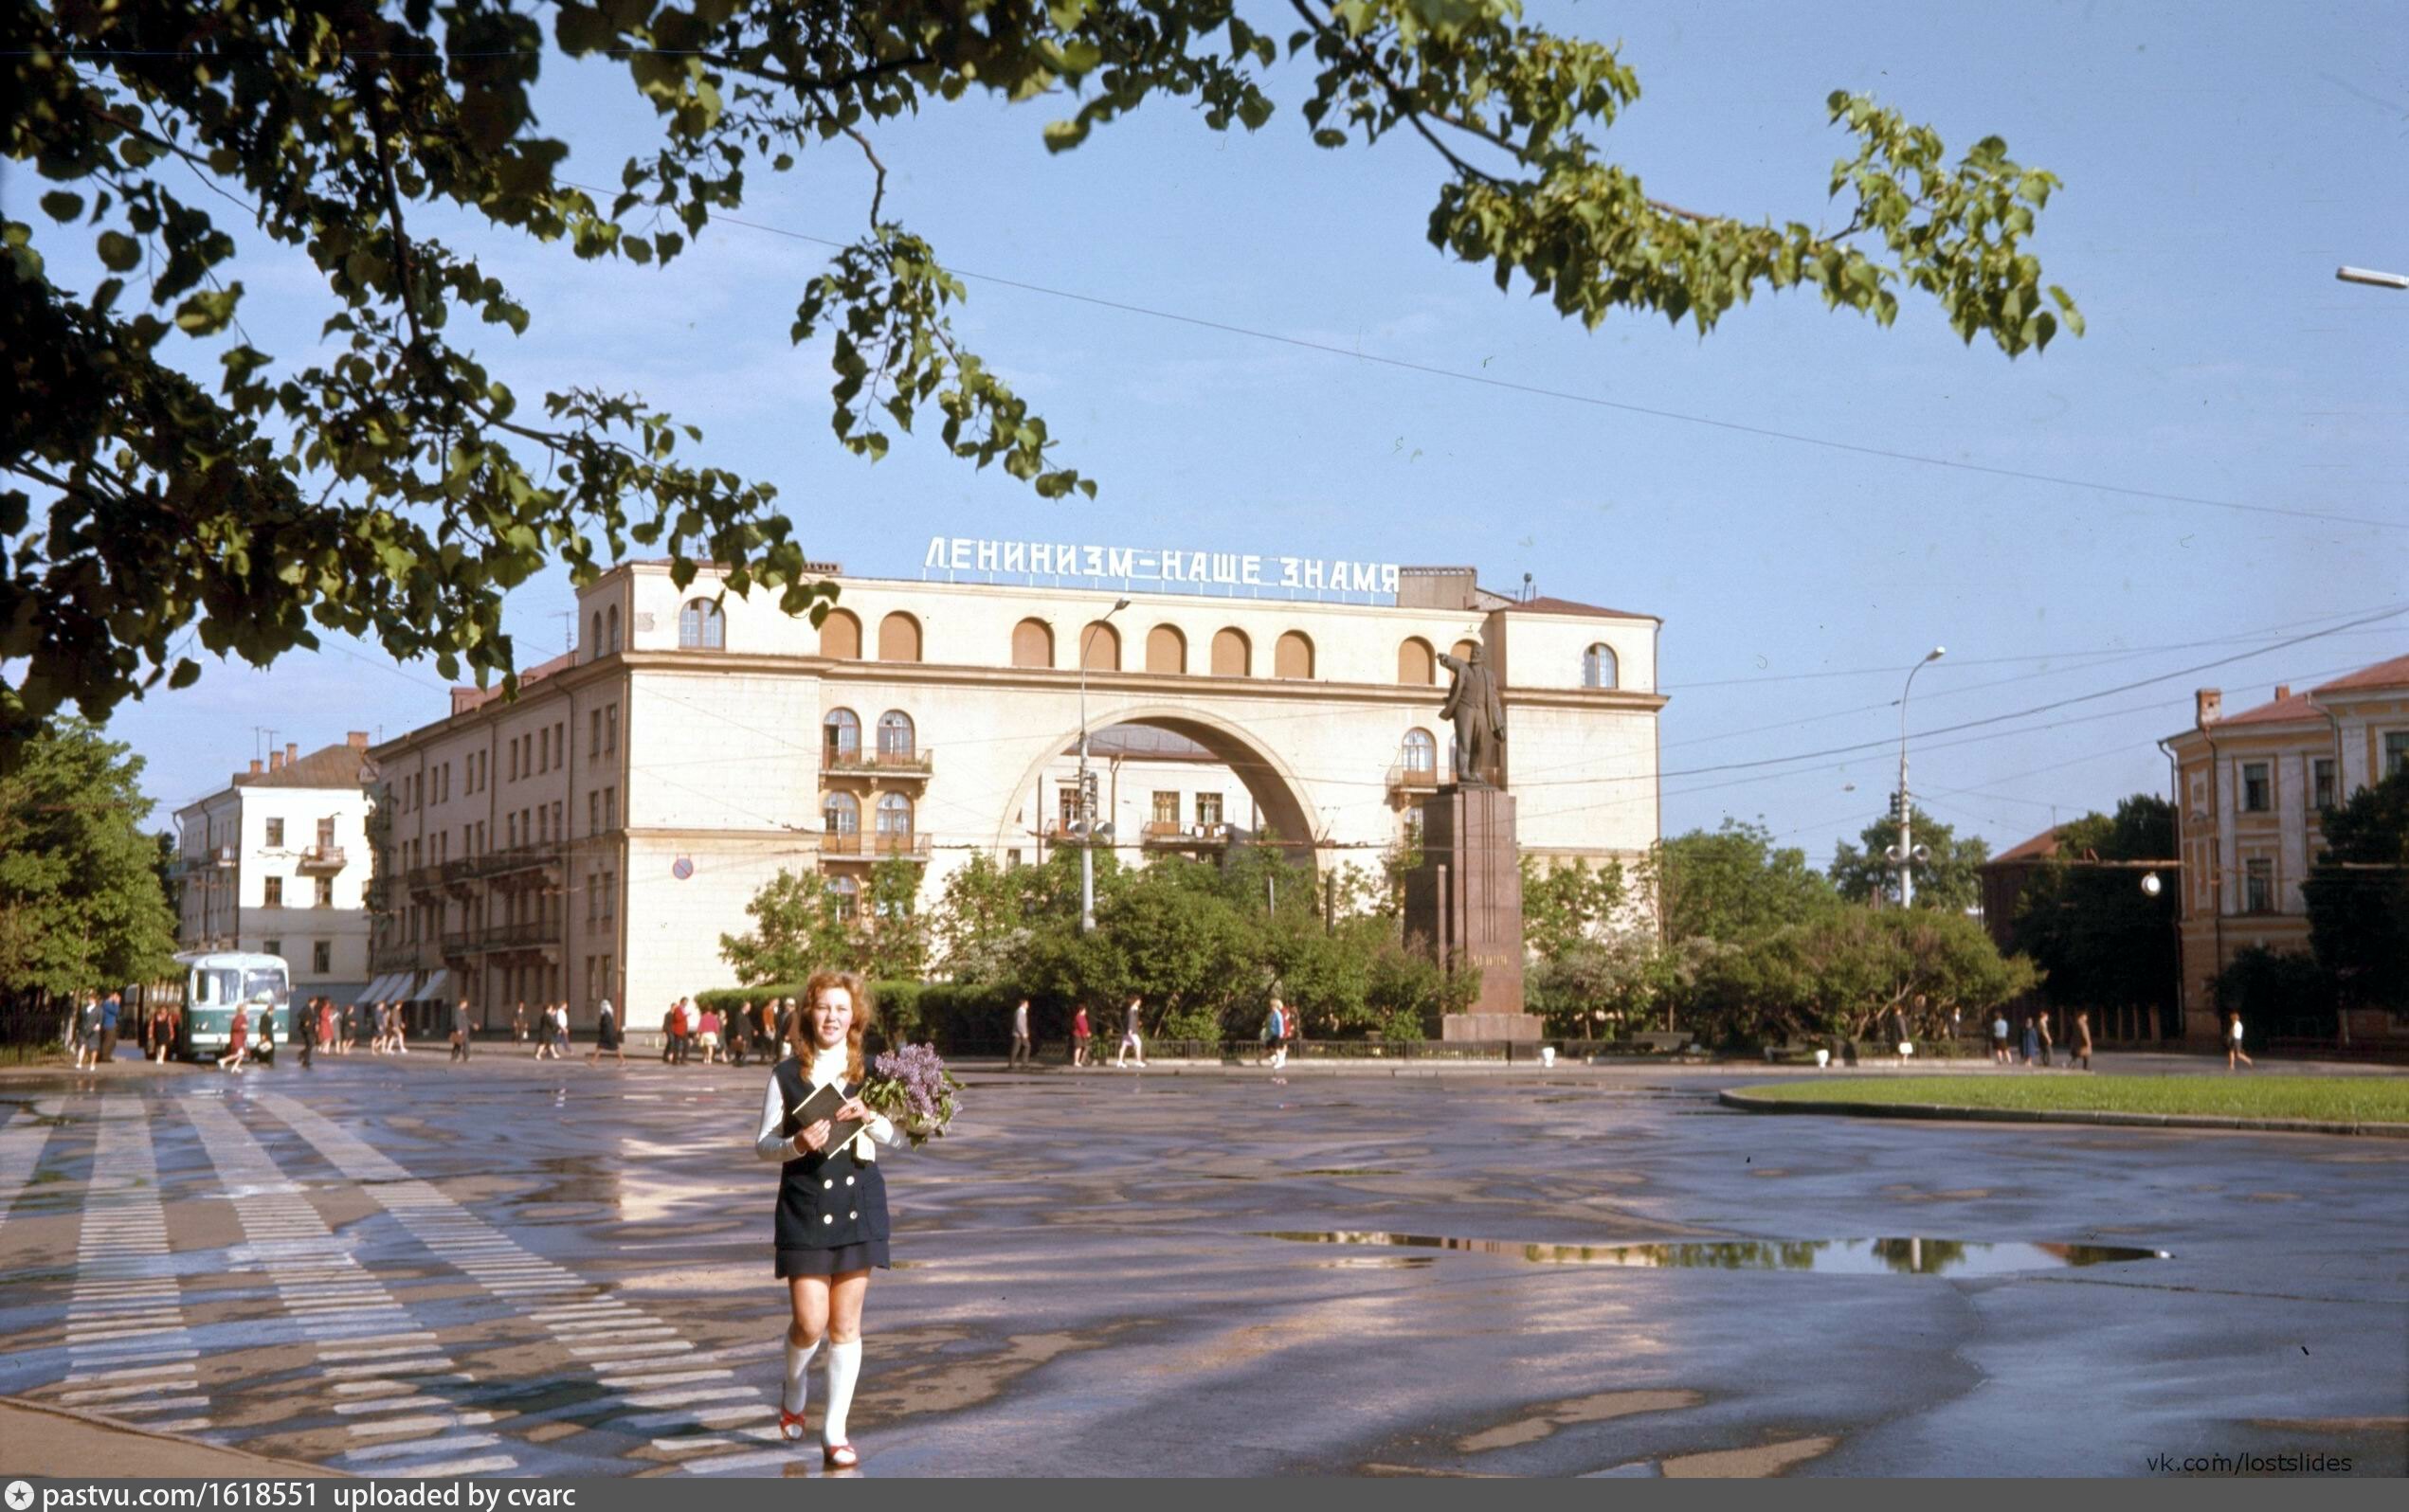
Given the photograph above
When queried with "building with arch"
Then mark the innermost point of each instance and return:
(933, 720)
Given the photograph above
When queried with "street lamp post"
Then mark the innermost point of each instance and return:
(1904, 853)
(1087, 788)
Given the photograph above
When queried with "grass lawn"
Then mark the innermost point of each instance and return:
(2332, 1099)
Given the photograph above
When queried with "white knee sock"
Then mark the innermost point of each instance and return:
(844, 1368)
(798, 1380)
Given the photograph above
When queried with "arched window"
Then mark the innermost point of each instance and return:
(895, 814)
(1420, 752)
(841, 637)
(1293, 655)
(1463, 649)
(610, 629)
(1417, 664)
(841, 733)
(894, 733)
(1033, 645)
(702, 626)
(1598, 666)
(593, 641)
(1100, 647)
(1233, 655)
(1166, 649)
(842, 813)
(899, 637)
(844, 897)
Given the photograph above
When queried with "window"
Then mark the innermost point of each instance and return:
(326, 893)
(610, 728)
(844, 897)
(593, 813)
(841, 637)
(560, 820)
(1070, 806)
(894, 733)
(1417, 665)
(514, 760)
(841, 814)
(326, 834)
(321, 956)
(560, 741)
(1100, 647)
(609, 896)
(610, 628)
(1208, 808)
(274, 896)
(1167, 808)
(610, 808)
(2255, 796)
(1233, 654)
(1420, 752)
(593, 733)
(1293, 655)
(899, 637)
(1166, 649)
(2395, 751)
(593, 638)
(2321, 783)
(273, 947)
(1033, 645)
(1598, 667)
(841, 734)
(895, 814)
(593, 896)
(275, 834)
(2259, 886)
(511, 831)
(702, 626)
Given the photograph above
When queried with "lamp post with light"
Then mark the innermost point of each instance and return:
(1087, 784)
(1904, 854)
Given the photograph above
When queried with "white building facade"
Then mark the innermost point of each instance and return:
(278, 862)
(598, 834)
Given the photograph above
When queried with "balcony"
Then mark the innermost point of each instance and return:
(193, 863)
(522, 858)
(425, 881)
(1161, 836)
(486, 939)
(858, 846)
(854, 762)
(1412, 780)
(322, 860)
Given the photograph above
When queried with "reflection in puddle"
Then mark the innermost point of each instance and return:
(1860, 1257)
(1350, 1170)
(1375, 1262)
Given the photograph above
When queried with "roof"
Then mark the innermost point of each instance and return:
(2393, 673)
(330, 766)
(467, 697)
(1545, 606)
(2295, 709)
(2039, 847)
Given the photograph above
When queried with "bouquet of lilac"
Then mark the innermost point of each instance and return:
(913, 1091)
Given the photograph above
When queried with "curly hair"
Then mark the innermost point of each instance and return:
(865, 1014)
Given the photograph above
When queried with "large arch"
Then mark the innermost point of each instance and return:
(1281, 797)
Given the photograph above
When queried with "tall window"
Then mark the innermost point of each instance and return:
(1420, 752)
(321, 956)
(1033, 645)
(1100, 647)
(2256, 792)
(895, 814)
(899, 637)
(610, 628)
(1293, 655)
(326, 835)
(702, 626)
(844, 897)
(2395, 751)
(1417, 664)
(894, 733)
(1233, 655)
(1167, 808)
(841, 637)
(842, 814)
(1598, 667)
(2321, 783)
(1166, 649)
(1208, 808)
(1069, 804)
(274, 896)
(275, 834)
(841, 734)
(326, 893)
(2259, 886)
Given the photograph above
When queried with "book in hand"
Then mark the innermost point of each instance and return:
(823, 1104)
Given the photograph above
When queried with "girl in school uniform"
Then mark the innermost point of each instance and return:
(831, 1217)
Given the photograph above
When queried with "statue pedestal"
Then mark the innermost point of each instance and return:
(1465, 902)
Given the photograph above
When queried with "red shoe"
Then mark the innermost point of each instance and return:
(790, 1425)
(839, 1456)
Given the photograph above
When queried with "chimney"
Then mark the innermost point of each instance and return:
(2206, 704)
(275, 760)
(2283, 690)
(357, 739)
(292, 751)
(255, 767)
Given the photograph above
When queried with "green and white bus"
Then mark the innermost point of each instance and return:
(214, 982)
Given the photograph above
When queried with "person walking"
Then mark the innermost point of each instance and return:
(460, 1031)
(400, 1029)
(831, 1216)
(1999, 1037)
(1275, 1036)
(1131, 1020)
(87, 1033)
(669, 1037)
(237, 1037)
(607, 1035)
(1019, 1054)
(709, 1039)
(2032, 1041)
(775, 1013)
(560, 1029)
(162, 1031)
(112, 1007)
(1081, 1036)
(306, 1032)
(2048, 1040)
(2078, 1045)
(2233, 1043)
(518, 1023)
(740, 1023)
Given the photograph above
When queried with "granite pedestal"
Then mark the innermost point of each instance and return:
(1465, 903)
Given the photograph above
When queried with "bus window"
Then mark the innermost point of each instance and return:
(271, 982)
(215, 985)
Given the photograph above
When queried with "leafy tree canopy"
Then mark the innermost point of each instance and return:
(81, 902)
(2098, 937)
(1951, 879)
(1848, 970)
(398, 487)
(2358, 895)
(1731, 884)
(1564, 907)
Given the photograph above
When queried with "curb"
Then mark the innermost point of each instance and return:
(1740, 1099)
(71, 1444)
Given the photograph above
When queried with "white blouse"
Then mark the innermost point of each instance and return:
(828, 1066)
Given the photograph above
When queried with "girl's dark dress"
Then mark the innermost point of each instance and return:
(832, 1207)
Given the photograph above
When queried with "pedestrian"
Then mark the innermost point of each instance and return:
(2032, 1041)
(460, 1031)
(831, 1217)
(2079, 1049)
(1019, 1054)
(605, 1035)
(1131, 1020)
(162, 1031)
(709, 1039)
(305, 1031)
(326, 1025)
(1081, 1036)
(2048, 1042)
(111, 1007)
(560, 1029)
(1275, 1036)
(237, 1035)
(87, 1033)
(518, 1023)
(669, 1037)
(778, 1019)
(1999, 1037)
(400, 1029)
(740, 1024)
(2233, 1042)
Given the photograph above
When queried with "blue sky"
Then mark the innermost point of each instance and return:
(2218, 163)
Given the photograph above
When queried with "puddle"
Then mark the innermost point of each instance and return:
(1376, 1262)
(1845, 1257)
(1351, 1170)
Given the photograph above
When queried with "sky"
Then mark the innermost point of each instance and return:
(1810, 502)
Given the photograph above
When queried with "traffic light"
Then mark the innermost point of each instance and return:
(1894, 807)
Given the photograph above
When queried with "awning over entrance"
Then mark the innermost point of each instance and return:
(382, 987)
(431, 987)
(333, 992)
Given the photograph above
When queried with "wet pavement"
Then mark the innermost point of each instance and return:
(529, 1269)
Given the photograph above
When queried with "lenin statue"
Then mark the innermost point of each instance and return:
(1480, 718)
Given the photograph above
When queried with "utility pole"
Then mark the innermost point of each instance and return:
(1904, 854)
(1087, 784)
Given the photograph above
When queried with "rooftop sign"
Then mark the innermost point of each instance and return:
(1164, 567)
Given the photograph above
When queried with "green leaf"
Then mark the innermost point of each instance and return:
(118, 251)
(61, 206)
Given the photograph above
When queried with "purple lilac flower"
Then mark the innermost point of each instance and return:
(912, 1087)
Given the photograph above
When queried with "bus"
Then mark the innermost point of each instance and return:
(214, 981)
